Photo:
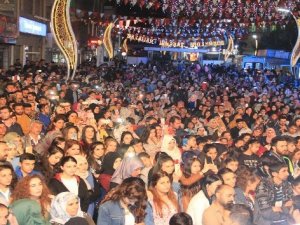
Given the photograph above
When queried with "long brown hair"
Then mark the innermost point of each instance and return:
(158, 202)
(131, 188)
(22, 191)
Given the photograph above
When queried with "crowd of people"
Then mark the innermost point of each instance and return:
(149, 144)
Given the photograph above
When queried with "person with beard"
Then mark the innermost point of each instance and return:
(273, 197)
(218, 212)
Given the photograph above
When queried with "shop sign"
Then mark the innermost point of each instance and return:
(32, 27)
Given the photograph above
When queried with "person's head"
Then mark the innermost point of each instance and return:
(88, 134)
(131, 192)
(210, 183)
(247, 180)
(19, 108)
(4, 151)
(175, 122)
(160, 183)
(279, 145)
(58, 122)
(228, 177)
(191, 165)
(82, 164)
(72, 148)
(296, 185)
(35, 188)
(110, 144)
(126, 138)
(210, 150)
(59, 142)
(252, 146)
(225, 196)
(181, 219)
(164, 163)
(111, 161)
(97, 150)
(231, 163)
(279, 172)
(36, 127)
(70, 132)
(68, 166)
(145, 158)
(240, 214)
(6, 175)
(4, 214)
(168, 143)
(291, 144)
(3, 129)
(27, 163)
(54, 155)
(72, 117)
(65, 206)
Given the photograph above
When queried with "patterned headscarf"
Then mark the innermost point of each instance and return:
(58, 208)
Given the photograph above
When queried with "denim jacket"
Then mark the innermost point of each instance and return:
(111, 213)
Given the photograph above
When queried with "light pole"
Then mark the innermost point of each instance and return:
(295, 52)
(254, 36)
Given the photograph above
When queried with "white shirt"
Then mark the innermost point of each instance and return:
(196, 207)
(129, 219)
(71, 185)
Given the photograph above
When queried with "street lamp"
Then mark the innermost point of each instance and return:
(254, 36)
(295, 52)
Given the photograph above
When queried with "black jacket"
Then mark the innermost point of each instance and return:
(56, 186)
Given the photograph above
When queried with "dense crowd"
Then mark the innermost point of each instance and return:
(150, 144)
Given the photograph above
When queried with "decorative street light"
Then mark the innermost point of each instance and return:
(254, 36)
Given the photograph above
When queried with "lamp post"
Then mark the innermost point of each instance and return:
(254, 36)
(295, 52)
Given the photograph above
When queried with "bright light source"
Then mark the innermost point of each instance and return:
(283, 10)
(124, 54)
(214, 49)
(236, 46)
(254, 36)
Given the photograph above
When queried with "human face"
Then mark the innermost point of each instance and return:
(163, 185)
(282, 174)
(296, 189)
(5, 177)
(296, 156)
(254, 147)
(3, 129)
(291, 147)
(5, 114)
(146, 161)
(4, 151)
(168, 167)
(72, 207)
(27, 166)
(195, 167)
(36, 128)
(98, 151)
(72, 134)
(192, 142)
(127, 139)
(281, 148)
(69, 168)
(171, 145)
(55, 158)
(82, 166)
(4, 213)
(136, 172)
(74, 150)
(19, 110)
(117, 163)
(229, 179)
(212, 153)
(89, 133)
(226, 197)
(59, 124)
(211, 189)
(73, 118)
(176, 124)
(111, 146)
(35, 188)
(233, 165)
(251, 186)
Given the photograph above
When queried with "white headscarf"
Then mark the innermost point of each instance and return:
(58, 210)
(175, 153)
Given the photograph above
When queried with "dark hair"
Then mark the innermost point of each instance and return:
(143, 154)
(123, 136)
(56, 119)
(83, 137)
(58, 140)
(66, 159)
(70, 143)
(245, 175)
(132, 188)
(241, 214)
(161, 160)
(208, 147)
(276, 167)
(250, 142)
(224, 171)
(276, 139)
(208, 181)
(174, 118)
(296, 181)
(65, 130)
(181, 219)
(69, 113)
(188, 162)
(27, 156)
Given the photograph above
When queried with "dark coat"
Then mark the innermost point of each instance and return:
(56, 186)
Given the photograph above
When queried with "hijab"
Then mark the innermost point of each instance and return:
(28, 212)
(108, 163)
(83, 175)
(175, 153)
(128, 165)
(58, 208)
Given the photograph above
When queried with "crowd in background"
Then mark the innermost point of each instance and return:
(149, 144)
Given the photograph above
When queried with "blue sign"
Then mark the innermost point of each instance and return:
(32, 27)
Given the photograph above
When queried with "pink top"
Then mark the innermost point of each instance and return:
(167, 212)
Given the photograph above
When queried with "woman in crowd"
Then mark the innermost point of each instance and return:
(163, 199)
(111, 162)
(151, 143)
(88, 138)
(6, 184)
(67, 181)
(73, 147)
(125, 205)
(33, 188)
(130, 167)
(228, 177)
(50, 161)
(170, 147)
(125, 143)
(110, 144)
(72, 118)
(70, 132)
(65, 206)
(95, 157)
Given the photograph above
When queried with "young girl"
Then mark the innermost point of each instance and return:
(162, 198)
